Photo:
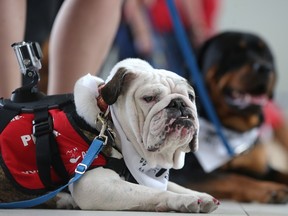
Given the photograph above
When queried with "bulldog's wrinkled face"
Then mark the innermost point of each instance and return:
(174, 122)
(156, 109)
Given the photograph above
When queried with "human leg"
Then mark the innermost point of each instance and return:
(12, 21)
(81, 37)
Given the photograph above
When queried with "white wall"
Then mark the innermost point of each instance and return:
(268, 18)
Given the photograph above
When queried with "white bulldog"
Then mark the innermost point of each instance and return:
(155, 120)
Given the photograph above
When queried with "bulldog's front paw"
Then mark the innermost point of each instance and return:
(188, 203)
(65, 201)
(207, 203)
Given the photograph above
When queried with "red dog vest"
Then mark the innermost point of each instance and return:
(18, 149)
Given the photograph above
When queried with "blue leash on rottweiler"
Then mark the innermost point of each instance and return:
(194, 70)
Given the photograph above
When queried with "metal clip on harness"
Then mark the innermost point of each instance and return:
(104, 127)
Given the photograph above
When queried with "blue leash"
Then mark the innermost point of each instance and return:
(192, 64)
(81, 168)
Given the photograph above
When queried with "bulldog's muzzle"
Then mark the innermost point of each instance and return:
(181, 120)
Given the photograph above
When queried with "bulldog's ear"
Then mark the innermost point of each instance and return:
(117, 85)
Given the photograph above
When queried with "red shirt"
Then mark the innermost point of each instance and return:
(273, 115)
(161, 20)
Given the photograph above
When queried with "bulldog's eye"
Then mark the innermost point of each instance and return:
(191, 97)
(148, 98)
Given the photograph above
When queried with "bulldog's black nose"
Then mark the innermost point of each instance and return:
(176, 103)
(178, 108)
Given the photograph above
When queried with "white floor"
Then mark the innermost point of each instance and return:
(226, 208)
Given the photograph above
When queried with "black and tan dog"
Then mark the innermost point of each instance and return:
(239, 73)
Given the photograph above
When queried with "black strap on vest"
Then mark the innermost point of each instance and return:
(42, 128)
(47, 153)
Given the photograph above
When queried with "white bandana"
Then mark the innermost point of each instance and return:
(212, 153)
(138, 166)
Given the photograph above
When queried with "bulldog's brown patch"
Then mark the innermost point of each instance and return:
(118, 85)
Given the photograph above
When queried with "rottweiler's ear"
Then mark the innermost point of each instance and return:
(117, 85)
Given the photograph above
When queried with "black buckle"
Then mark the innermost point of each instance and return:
(43, 127)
